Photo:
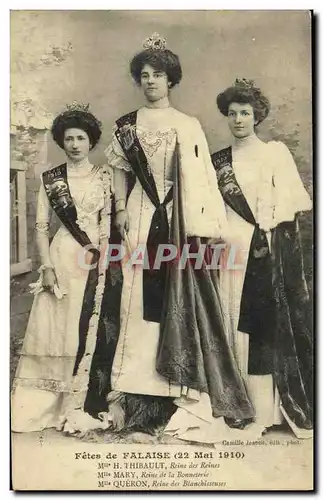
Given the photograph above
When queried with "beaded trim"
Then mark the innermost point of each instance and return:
(42, 227)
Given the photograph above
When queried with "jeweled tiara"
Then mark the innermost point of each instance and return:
(154, 42)
(243, 82)
(78, 106)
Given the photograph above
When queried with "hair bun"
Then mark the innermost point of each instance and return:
(244, 91)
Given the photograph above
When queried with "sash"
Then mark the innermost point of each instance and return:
(60, 198)
(154, 280)
(257, 308)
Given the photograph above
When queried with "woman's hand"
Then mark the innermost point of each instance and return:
(122, 221)
(49, 279)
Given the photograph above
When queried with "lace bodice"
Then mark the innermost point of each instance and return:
(87, 189)
(156, 131)
(159, 146)
(91, 193)
(160, 131)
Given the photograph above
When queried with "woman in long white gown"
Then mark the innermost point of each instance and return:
(264, 300)
(50, 387)
(172, 346)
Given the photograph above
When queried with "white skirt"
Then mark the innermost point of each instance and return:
(42, 386)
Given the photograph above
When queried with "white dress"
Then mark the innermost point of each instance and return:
(44, 374)
(135, 359)
(268, 178)
(134, 363)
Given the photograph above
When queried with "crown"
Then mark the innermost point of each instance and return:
(77, 106)
(155, 42)
(243, 82)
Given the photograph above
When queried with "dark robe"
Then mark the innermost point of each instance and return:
(275, 303)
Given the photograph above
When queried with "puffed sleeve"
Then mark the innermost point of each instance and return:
(289, 194)
(115, 155)
(43, 217)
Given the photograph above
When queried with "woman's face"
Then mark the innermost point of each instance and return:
(241, 119)
(154, 83)
(76, 144)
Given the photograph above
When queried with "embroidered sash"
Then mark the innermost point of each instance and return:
(59, 195)
(257, 308)
(60, 198)
(154, 280)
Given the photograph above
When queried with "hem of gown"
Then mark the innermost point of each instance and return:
(188, 427)
(56, 387)
(34, 409)
(51, 411)
(143, 392)
(298, 431)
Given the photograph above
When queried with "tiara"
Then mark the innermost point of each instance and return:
(243, 82)
(76, 106)
(154, 42)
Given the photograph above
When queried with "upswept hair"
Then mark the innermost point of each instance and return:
(244, 92)
(160, 60)
(83, 120)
